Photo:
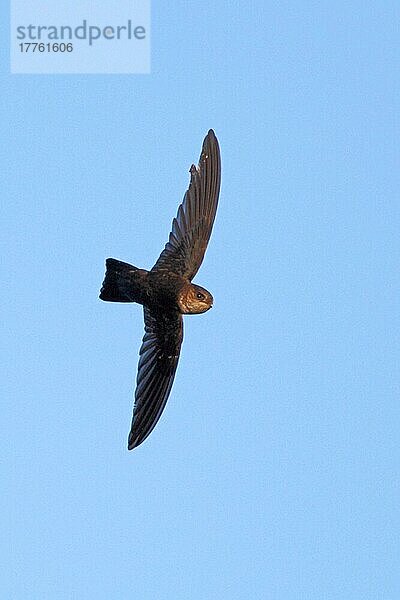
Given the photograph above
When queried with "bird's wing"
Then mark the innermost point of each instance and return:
(159, 355)
(191, 229)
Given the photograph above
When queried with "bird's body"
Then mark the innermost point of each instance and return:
(166, 291)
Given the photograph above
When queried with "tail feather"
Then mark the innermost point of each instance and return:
(117, 284)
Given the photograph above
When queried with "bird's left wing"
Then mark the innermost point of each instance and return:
(159, 355)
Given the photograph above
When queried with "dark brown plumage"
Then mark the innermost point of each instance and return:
(166, 292)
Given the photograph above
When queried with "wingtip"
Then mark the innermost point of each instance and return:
(210, 141)
(134, 440)
(131, 442)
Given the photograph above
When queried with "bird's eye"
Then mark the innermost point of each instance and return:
(200, 296)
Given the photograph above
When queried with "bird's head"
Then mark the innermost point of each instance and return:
(194, 300)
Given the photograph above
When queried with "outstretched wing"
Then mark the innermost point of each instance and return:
(191, 230)
(158, 360)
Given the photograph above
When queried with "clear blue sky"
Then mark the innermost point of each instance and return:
(274, 471)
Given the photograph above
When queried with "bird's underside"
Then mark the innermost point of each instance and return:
(166, 291)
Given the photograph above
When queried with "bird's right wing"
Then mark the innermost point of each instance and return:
(159, 355)
(191, 230)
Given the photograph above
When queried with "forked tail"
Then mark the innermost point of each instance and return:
(119, 282)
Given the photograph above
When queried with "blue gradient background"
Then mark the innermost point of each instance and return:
(274, 471)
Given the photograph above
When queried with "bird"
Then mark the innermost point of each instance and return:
(166, 292)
